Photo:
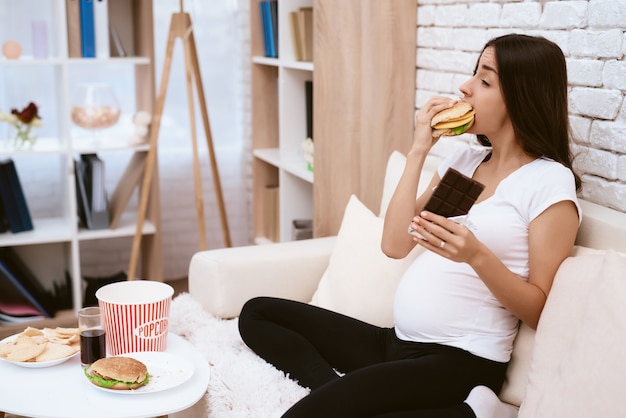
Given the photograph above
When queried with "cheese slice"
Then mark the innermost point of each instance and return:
(456, 122)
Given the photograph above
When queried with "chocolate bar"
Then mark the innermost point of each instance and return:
(454, 195)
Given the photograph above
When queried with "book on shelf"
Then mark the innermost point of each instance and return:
(120, 51)
(269, 26)
(264, 31)
(22, 293)
(121, 28)
(74, 44)
(82, 204)
(296, 42)
(4, 222)
(271, 211)
(301, 25)
(87, 32)
(93, 206)
(101, 28)
(274, 23)
(128, 182)
(308, 100)
(13, 200)
(305, 24)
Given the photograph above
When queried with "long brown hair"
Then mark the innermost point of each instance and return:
(533, 79)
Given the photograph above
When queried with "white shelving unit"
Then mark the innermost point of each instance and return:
(53, 248)
(279, 126)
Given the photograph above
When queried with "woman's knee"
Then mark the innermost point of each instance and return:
(253, 306)
(250, 312)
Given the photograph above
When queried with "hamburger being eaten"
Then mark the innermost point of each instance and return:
(453, 121)
(119, 373)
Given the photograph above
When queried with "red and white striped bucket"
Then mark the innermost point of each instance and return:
(135, 315)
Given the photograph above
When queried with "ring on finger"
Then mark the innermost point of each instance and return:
(442, 244)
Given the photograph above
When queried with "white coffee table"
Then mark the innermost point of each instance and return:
(63, 391)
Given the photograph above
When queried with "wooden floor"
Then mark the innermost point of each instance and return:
(179, 285)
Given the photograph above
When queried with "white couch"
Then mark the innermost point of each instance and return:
(574, 365)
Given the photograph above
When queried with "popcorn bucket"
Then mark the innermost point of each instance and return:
(135, 315)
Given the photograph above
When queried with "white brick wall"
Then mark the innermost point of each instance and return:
(592, 35)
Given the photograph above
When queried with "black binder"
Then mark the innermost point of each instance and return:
(84, 213)
(91, 172)
(13, 199)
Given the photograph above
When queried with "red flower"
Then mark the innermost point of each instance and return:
(27, 114)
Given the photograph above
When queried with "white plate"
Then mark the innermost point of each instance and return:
(166, 372)
(35, 364)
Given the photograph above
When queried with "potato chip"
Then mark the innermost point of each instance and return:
(25, 352)
(41, 345)
(54, 351)
(61, 332)
(31, 332)
(5, 349)
(23, 339)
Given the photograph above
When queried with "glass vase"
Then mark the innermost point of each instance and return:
(95, 107)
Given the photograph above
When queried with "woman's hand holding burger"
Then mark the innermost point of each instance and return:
(423, 139)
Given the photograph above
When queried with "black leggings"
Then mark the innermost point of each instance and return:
(384, 376)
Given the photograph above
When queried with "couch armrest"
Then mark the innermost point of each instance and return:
(223, 280)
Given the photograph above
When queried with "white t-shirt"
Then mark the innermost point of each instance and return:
(442, 301)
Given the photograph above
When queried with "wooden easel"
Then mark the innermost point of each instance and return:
(181, 27)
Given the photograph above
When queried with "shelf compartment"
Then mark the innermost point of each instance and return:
(46, 172)
(295, 202)
(106, 145)
(43, 145)
(272, 62)
(45, 230)
(125, 229)
(293, 165)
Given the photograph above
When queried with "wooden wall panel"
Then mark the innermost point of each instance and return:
(364, 81)
(337, 109)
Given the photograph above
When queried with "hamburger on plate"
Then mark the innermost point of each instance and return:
(119, 373)
(453, 121)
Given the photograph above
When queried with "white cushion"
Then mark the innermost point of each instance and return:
(514, 388)
(361, 280)
(393, 172)
(578, 367)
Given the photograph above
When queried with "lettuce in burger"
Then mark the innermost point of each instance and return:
(453, 121)
(119, 373)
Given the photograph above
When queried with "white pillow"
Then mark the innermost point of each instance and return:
(579, 362)
(393, 172)
(514, 387)
(361, 280)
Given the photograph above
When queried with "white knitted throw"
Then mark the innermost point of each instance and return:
(241, 385)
